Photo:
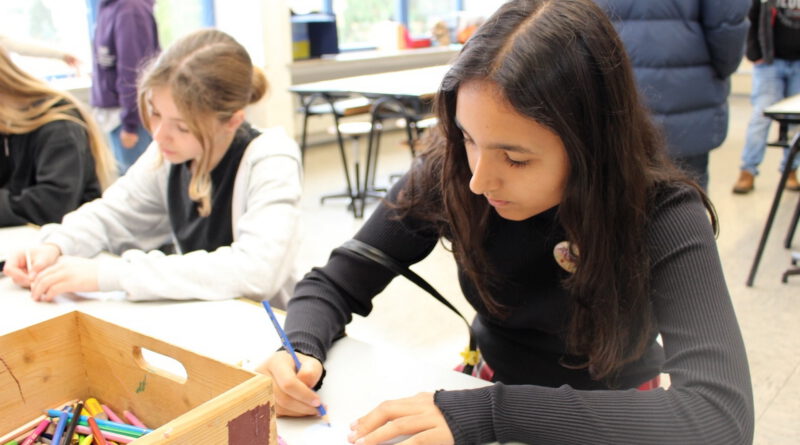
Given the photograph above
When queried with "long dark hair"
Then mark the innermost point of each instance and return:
(561, 63)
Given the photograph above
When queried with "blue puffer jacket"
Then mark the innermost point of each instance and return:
(683, 53)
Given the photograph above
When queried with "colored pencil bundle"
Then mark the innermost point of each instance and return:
(79, 423)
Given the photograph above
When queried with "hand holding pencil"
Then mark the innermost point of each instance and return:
(23, 266)
(293, 394)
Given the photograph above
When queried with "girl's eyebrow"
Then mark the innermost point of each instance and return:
(154, 109)
(497, 146)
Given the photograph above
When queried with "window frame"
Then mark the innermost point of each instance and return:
(401, 9)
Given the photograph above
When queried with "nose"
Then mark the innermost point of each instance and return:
(159, 133)
(484, 178)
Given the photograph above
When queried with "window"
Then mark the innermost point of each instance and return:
(482, 8)
(68, 26)
(60, 24)
(423, 14)
(176, 18)
(357, 21)
(308, 6)
(360, 22)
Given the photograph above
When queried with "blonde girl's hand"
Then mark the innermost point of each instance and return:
(68, 274)
(417, 417)
(293, 394)
(128, 140)
(41, 257)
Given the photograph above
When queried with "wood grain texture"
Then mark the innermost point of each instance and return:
(79, 356)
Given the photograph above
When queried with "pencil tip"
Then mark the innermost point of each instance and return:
(326, 420)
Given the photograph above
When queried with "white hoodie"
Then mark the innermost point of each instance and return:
(131, 220)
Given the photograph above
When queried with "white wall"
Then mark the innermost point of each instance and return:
(263, 28)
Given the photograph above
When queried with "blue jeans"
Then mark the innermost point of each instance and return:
(771, 83)
(127, 156)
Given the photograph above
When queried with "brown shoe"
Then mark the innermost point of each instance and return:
(791, 182)
(745, 183)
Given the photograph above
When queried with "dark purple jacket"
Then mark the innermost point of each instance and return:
(125, 38)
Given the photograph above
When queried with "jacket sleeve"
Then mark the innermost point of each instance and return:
(725, 24)
(257, 264)
(60, 150)
(130, 214)
(133, 30)
(710, 399)
(754, 51)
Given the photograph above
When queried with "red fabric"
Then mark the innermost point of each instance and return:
(650, 384)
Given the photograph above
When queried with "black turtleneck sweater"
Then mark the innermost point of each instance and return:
(535, 399)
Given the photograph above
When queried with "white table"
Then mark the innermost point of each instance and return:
(785, 112)
(403, 94)
(238, 332)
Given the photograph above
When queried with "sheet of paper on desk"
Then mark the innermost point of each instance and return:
(77, 297)
(336, 434)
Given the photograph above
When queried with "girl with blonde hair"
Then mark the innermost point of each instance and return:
(54, 157)
(224, 194)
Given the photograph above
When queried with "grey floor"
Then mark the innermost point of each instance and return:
(406, 319)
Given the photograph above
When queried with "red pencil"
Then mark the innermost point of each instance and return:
(98, 436)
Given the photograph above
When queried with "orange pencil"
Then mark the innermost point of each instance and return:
(98, 436)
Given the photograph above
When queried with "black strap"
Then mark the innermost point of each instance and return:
(376, 255)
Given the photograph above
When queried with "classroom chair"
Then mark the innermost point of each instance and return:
(318, 104)
(418, 129)
(410, 112)
(360, 193)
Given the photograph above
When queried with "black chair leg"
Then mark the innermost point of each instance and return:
(304, 138)
(788, 273)
(792, 226)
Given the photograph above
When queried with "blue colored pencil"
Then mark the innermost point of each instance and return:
(73, 422)
(112, 426)
(288, 345)
(60, 426)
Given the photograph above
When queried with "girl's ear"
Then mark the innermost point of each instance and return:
(235, 121)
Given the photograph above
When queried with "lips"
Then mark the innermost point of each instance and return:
(498, 202)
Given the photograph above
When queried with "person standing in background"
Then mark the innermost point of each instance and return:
(125, 37)
(773, 45)
(683, 54)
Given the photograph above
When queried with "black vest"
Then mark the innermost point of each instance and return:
(192, 231)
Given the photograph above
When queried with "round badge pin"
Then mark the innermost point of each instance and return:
(566, 256)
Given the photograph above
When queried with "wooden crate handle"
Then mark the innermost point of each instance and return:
(161, 364)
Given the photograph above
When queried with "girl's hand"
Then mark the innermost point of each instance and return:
(41, 258)
(414, 416)
(68, 274)
(293, 393)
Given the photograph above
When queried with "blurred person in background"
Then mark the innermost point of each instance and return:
(125, 38)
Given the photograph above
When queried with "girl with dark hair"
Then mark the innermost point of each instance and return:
(577, 243)
(225, 195)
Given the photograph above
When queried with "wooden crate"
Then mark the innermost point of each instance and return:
(76, 356)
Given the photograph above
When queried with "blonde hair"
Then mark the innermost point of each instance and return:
(210, 75)
(42, 105)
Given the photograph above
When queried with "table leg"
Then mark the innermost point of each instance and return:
(774, 209)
